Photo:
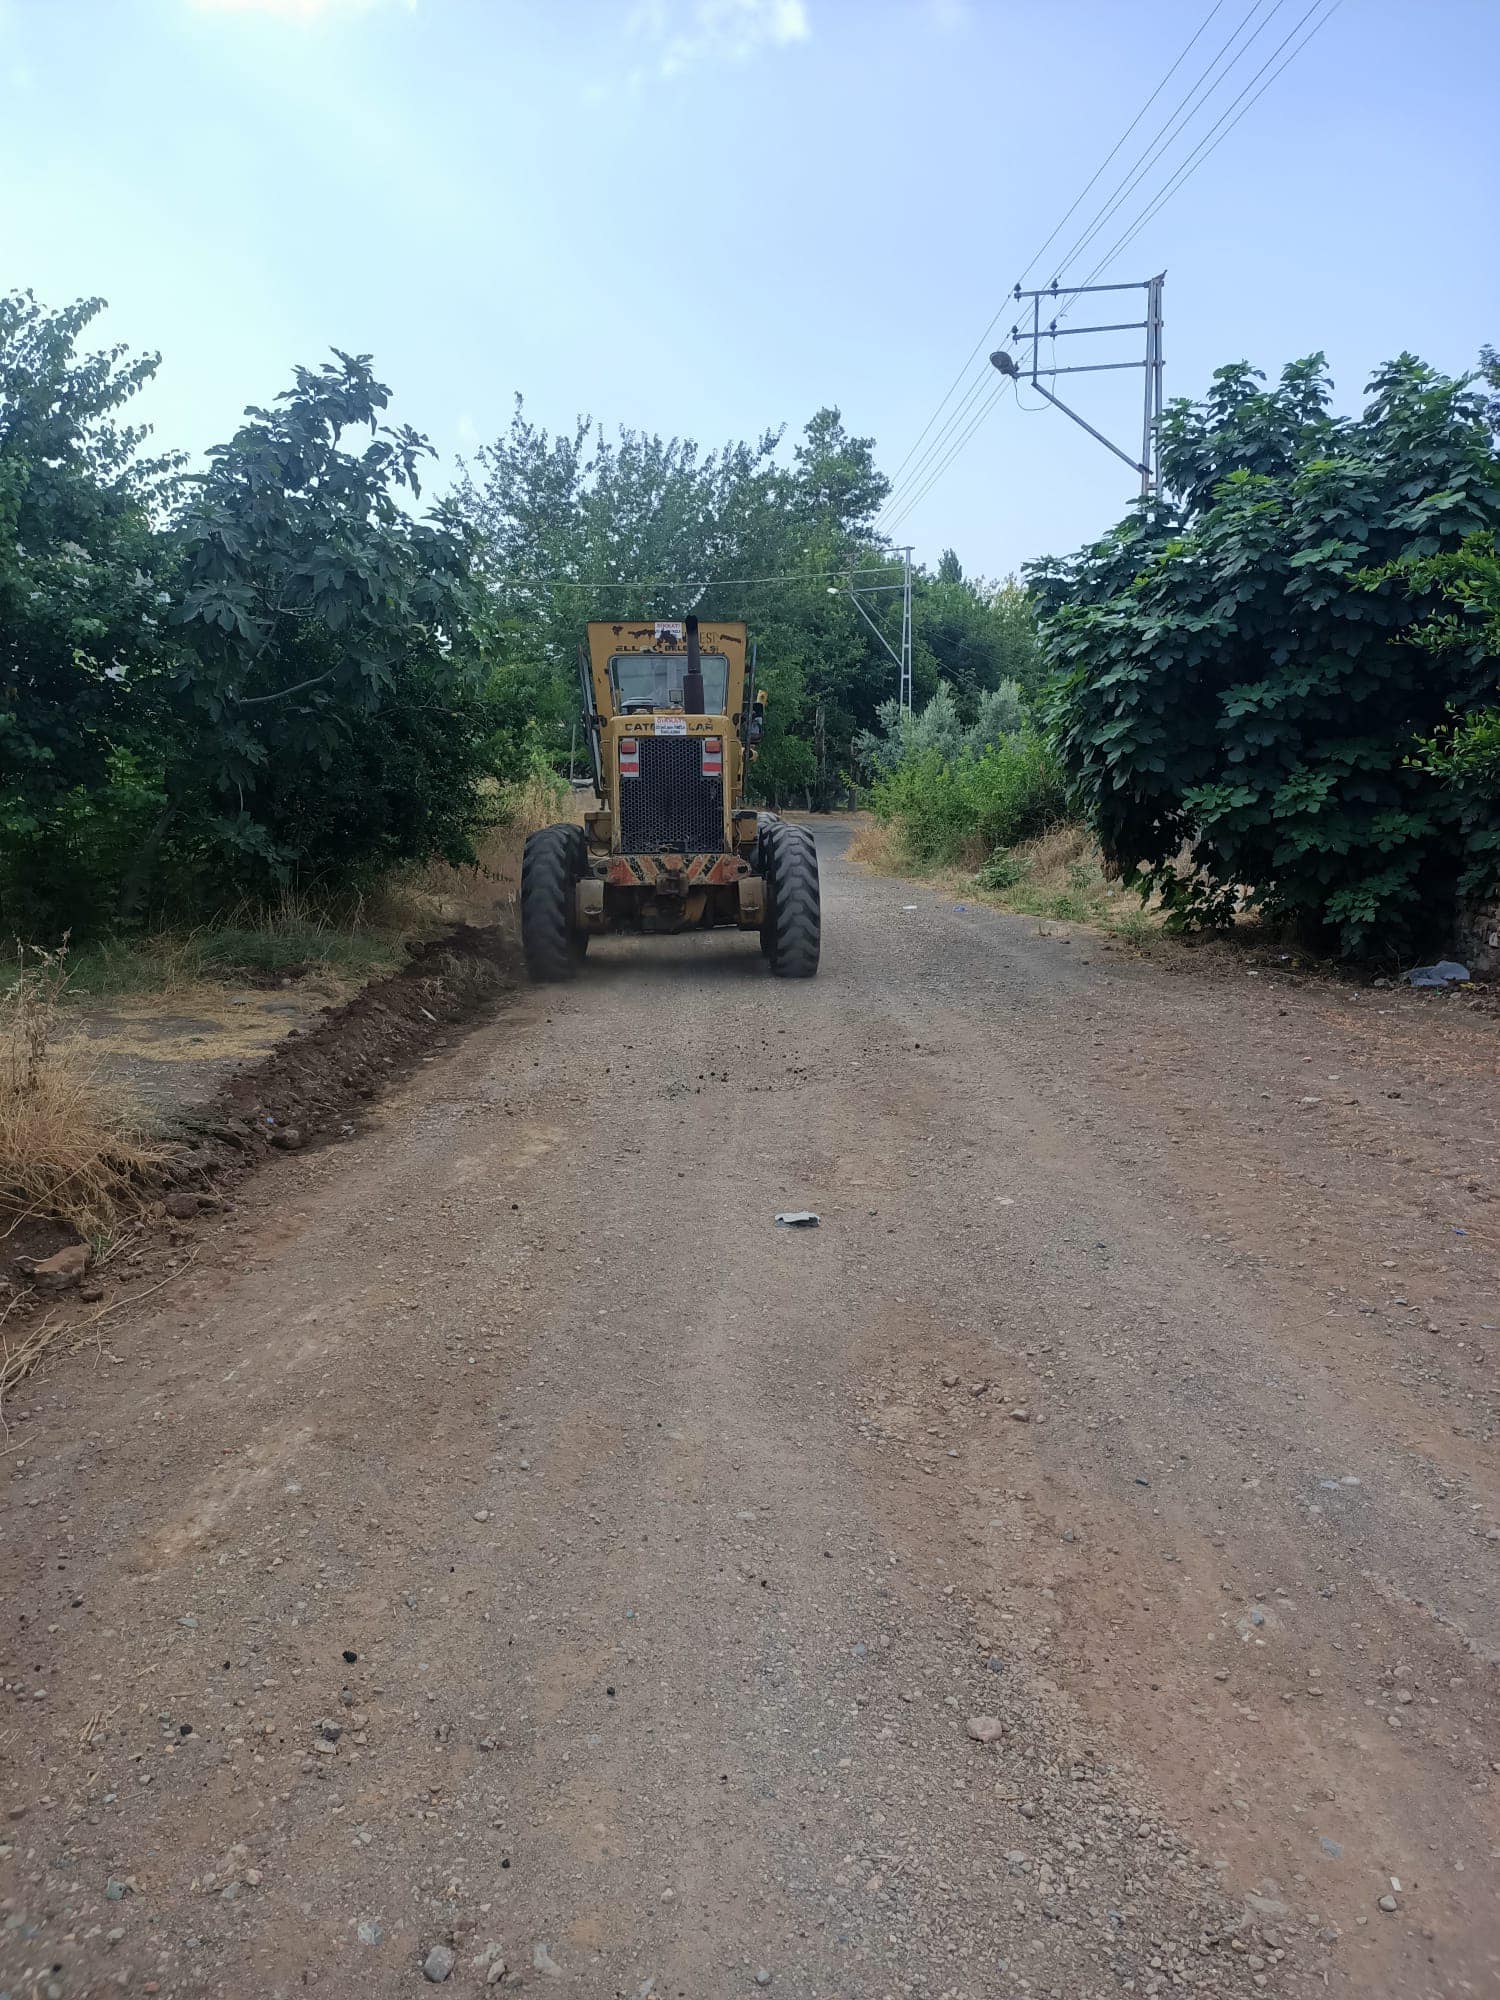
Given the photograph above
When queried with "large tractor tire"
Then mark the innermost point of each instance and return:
(551, 867)
(791, 932)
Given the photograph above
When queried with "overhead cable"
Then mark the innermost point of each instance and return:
(925, 473)
(1051, 237)
(1188, 107)
(1216, 134)
(942, 466)
(688, 582)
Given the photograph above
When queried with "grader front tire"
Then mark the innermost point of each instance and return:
(553, 862)
(791, 934)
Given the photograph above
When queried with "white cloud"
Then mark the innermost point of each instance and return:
(296, 10)
(685, 34)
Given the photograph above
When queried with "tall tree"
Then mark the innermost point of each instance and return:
(336, 642)
(86, 658)
(1245, 669)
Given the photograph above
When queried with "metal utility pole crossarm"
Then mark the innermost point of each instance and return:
(1147, 464)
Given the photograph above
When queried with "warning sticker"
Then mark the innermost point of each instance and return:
(671, 725)
(669, 629)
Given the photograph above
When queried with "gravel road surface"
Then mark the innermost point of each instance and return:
(507, 1559)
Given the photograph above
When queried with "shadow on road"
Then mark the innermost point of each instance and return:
(727, 956)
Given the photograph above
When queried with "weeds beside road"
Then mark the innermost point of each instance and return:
(1056, 876)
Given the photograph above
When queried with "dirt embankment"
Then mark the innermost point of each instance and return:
(315, 1086)
(122, 1119)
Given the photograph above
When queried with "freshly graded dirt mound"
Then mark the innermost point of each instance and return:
(313, 1084)
(311, 1088)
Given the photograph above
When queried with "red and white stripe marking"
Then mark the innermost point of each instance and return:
(630, 757)
(713, 757)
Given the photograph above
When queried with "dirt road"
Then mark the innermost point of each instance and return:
(505, 1544)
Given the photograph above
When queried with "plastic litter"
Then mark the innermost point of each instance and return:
(797, 1218)
(1447, 972)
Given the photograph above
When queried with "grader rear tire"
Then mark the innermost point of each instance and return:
(553, 862)
(791, 932)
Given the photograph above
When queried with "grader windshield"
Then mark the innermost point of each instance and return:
(644, 681)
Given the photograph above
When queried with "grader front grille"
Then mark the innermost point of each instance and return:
(669, 806)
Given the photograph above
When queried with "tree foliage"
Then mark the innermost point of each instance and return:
(978, 635)
(290, 669)
(269, 673)
(940, 728)
(333, 667)
(1246, 679)
(85, 656)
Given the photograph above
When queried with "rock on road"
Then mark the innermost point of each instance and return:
(510, 1560)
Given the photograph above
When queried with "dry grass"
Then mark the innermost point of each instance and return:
(486, 893)
(1058, 878)
(69, 1151)
(1053, 854)
(874, 846)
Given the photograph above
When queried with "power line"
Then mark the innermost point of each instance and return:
(958, 416)
(1204, 85)
(955, 418)
(1035, 259)
(1209, 143)
(1182, 58)
(689, 582)
(1204, 148)
(1187, 109)
(942, 466)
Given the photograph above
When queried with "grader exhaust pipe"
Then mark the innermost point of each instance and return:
(692, 680)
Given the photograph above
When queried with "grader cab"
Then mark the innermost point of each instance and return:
(672, 716)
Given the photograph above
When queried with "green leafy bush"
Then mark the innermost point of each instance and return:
(1003, 870)
(338, 681)
(1016, 790)
(1459, 592)
(74, 878)
(1243, 693)
(533, 719)
(950, 809)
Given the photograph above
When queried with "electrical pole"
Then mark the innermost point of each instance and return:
(1151, 420)
(1147, 465)
(906, 634)
(903, 657)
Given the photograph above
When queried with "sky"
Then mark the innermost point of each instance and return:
(710, 217)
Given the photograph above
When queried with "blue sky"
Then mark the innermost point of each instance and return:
(710, 216)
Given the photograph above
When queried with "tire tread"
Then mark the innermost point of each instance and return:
(794, 917)
(551, 864)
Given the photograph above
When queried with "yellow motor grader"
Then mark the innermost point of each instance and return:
(672, 716)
